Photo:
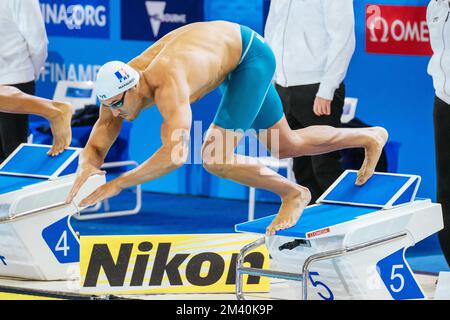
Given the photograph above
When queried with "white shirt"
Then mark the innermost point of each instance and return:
(438, 20)
(23, 41)
(313, 42)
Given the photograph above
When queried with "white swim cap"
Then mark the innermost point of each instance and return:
(113, 78)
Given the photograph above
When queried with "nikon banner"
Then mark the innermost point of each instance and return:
(189, 263)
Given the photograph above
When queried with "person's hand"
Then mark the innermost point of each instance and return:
(83, 174)
(107, 190)
(322, 107)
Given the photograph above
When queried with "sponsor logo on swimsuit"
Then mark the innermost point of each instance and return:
(3, 260)
(155, 10)
(317, 233)
(188, 263)
(76, 18)
(393, 29)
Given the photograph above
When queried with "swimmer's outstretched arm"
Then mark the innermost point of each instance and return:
(173, 104)
(59, 114)
(173, 153)
(103, 134)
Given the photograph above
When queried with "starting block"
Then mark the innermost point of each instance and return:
(351, 245)
(36, 239)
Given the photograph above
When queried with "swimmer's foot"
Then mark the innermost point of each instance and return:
(290, 211)
(376, 139)
(61, 129)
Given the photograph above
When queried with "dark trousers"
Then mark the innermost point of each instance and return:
(441, 137)
(316, 173)
(14, 127)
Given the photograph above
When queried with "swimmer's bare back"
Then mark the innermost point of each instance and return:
(203, 52)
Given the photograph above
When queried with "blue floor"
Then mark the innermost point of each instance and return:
(171, 214)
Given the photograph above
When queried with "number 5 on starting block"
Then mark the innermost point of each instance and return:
(398, 278)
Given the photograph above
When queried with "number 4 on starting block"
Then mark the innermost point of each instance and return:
(382, 190)
(62, 241)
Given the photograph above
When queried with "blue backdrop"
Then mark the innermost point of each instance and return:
(393, 90)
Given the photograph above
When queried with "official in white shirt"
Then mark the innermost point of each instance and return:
(438, 20)
(313, 42)
(23, 51)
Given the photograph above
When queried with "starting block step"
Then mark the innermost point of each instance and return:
(314, 218)
(345, 202)
(13, 183)
(382, 190)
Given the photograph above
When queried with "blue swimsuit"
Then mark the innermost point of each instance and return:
(249, 99)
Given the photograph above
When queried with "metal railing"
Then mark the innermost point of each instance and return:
(304, 276)
(31, 212)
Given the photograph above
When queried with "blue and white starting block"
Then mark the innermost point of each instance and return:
(351, 245)
(36, 239)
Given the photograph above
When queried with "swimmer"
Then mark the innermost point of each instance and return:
(180, 69)
(59, 114)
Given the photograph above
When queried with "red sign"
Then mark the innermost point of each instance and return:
(318, 233)
(394, 29)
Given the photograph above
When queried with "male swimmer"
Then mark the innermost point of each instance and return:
(59, 114)
(181, 68)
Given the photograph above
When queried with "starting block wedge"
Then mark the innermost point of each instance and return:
(351, 245)
(383, 190)
(36, 239)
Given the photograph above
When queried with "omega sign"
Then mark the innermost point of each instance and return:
(394, 29)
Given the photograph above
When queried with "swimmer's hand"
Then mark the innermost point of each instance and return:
(83, 174)
(107, 190)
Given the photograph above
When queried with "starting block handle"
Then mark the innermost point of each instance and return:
(34, 211)
(240, 264)
(382, 190)
(304, 276)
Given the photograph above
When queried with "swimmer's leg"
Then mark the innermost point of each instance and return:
(244, 106)
(313, 140)
(220, 159)
(323, 139)
(283, 142)
(59, 114)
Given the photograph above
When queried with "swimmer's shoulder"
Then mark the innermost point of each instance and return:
(163, 73)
